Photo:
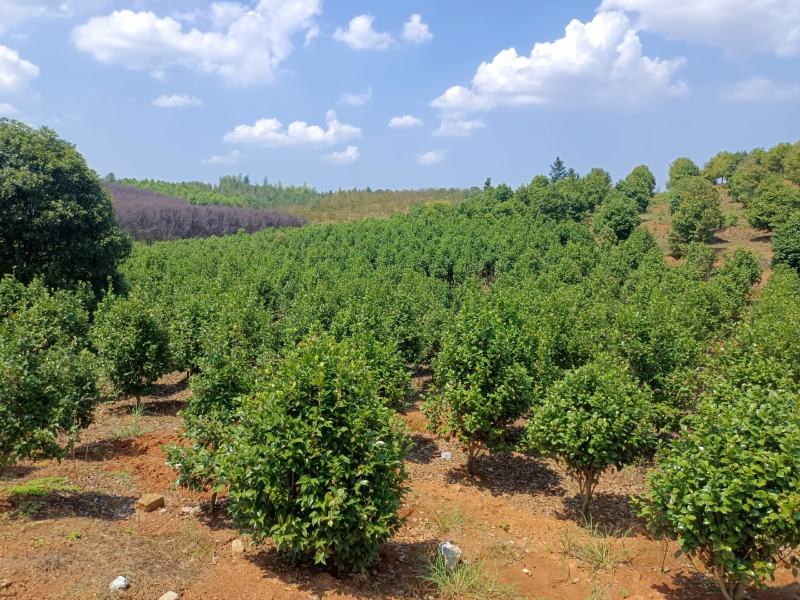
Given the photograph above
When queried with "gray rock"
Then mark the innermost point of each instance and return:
(237, 546)
(170, 596)
(119, 584)
(447, 456)
(450, 553)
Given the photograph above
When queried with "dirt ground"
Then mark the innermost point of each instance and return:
(517, 519)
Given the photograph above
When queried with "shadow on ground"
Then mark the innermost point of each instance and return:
(505, 473)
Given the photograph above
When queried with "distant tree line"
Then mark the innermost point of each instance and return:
(239, 190)
(149, 217)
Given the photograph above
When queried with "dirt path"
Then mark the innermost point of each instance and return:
(517, 519)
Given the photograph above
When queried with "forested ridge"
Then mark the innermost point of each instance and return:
(549, 305)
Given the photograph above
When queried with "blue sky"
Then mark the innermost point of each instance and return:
(304, 91)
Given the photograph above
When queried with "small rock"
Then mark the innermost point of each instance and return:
(447, 456)
(119, 584)
(237, 546)
(576, 580)
(190, 510)
(162, 511)
(5, 583)
(451, 554)
(170, 596)
(150, 502)
(526, 571)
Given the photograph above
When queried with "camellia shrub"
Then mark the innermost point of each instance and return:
(696, 213)
(619, 214)
(482, 379)
(598, 416)
(728, 489)
(47, 378)
(132, 345)
(680, 169)
(316, 463)
(639, 186)
(786, 242)
(772, 203)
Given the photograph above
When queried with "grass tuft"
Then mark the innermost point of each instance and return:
(467, 580)
(447, 521)
(134, 428)
(41, 487)
(602, 550)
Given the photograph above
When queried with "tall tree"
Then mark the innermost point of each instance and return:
(557, 170)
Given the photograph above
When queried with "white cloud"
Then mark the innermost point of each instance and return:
(405, 121)
(415, 30)
(758, 89)
(15, 72)
(270, 132)
(245, 45)
(177, 101)
(345, 157)
(311, 35)
(16, 12)
(598, 61)
(356, 99)
(360, 35)
(458, 127)
(431, 158)
(223, 159)
(7, 110)
(739, 27)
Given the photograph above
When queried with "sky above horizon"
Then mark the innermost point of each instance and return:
(401, 94)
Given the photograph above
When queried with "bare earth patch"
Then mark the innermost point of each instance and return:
(517, 518)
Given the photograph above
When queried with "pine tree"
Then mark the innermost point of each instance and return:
(557, 170)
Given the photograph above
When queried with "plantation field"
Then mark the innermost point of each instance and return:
(572, 389)
(520, 513)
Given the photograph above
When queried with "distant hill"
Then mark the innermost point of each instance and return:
(149, 216)
(302, 201)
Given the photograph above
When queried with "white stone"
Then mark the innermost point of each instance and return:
(237, 546)
(170, 596)
(447, 456)
(526, 571)
(190, 510)
(120, 583)
(451, 554)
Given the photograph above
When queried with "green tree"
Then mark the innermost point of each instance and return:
(791, 164)
(597, 186)
(696, 213)
(772, 202)
(132, 345)
(56, 220)
(316, 463)
(639, 185)
(786, 242)
(720, 167)
(680, 169)
(47, 379)
(743, 182)
(618, 213)
(596, 417)
(557, 170)
(728, 489)
(482, 383)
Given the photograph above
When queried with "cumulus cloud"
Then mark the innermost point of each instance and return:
(223, 159)
(598, 61)
(244, 45)
(15, 72)
(404, 122)
(758, 89)
(458, 127)
(431, 158)
(345, 157)
(416, 31)
(356, 99)
(360, 35)
(271, 132)
(739, 27)
(177, 101)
